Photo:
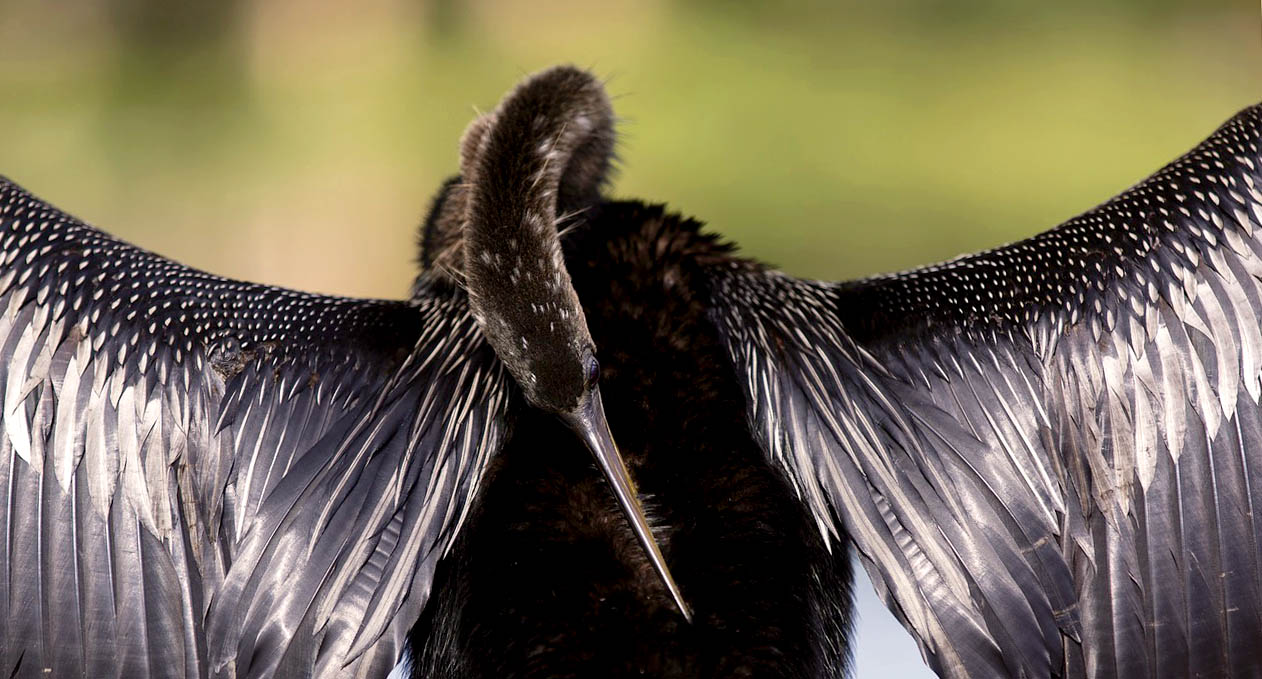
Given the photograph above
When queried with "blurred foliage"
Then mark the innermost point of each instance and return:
(298, 142)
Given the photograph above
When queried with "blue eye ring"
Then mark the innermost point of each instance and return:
(591, 371)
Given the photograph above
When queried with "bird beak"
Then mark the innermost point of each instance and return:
(588, 421)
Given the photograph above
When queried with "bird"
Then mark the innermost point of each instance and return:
(214, 478)
(1043, 454)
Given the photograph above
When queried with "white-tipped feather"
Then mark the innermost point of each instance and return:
(1066, 429)
(179, 441)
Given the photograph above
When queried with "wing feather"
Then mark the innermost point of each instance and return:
(221, 477)
(1047, 454)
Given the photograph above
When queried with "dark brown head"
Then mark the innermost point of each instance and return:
(539, 158)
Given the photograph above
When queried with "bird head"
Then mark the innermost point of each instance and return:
(515, 162)
(526, 168)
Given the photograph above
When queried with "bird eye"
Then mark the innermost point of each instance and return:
(592, 368)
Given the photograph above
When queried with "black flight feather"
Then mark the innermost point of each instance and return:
(1047, 454)
(210, 478)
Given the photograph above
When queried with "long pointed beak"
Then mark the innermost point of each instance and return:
(588, 421)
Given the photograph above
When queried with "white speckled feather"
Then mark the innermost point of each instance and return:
(1066, 429)
(168, 438)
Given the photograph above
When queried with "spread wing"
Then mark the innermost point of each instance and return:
(205, 477)
(1049, 454)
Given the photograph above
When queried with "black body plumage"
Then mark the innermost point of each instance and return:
(1046, 455)
(546, 579)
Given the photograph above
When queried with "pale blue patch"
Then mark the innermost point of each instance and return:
(403, 669)
(882, 648)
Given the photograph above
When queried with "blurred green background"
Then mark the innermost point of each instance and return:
(299, 142)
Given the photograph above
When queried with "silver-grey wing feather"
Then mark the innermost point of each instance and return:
(1046, 454)
(201, 477)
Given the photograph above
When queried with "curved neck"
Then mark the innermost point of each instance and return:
(547, 144)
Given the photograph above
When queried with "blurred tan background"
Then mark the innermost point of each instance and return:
(299, 142)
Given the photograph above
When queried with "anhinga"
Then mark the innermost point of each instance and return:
(1045, 454)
